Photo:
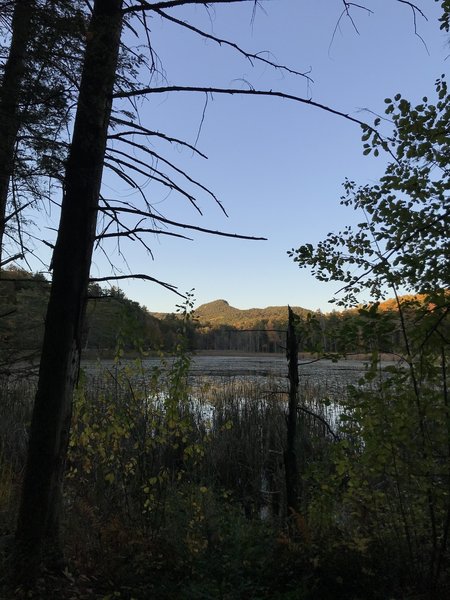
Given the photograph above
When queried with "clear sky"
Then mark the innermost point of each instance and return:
(277, 166)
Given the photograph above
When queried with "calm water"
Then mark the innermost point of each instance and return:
(238, 376)
(270, 366)
(258, 366)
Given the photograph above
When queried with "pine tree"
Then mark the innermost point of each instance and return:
(38, 85)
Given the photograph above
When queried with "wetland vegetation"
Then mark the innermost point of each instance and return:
(175, 483)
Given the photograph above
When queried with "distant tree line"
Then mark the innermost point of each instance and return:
(333, 333)
(116, 323)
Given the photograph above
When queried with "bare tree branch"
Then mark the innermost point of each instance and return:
(346, 13)
(122, 175)
(147, 132)
(414, 8)
(131, 233)
(248, 55)
(11, 259)
(163, 180)
(172, 3)
(250, 92)
(142, 276)
(174, 167)
(18, 210)
(156, 217)
(319, 418)
(114, 219)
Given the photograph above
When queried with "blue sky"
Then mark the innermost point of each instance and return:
(277, 166)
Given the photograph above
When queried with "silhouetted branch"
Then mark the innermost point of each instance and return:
(125, 230)
(122, 175)
(18, 210)
(131, 233)
(142, 276)
(414, 8)
(163, 180)
(172, 166)
(346, 13)
(156, 217)
(250, 92)
(140, 130)
(143, 5)
(11, 259)
(248, 55)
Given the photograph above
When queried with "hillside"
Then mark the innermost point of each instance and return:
(113, 321)
(219, 312)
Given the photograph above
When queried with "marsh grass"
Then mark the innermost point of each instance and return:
(190, 490)
(175, 488)
(15, 413)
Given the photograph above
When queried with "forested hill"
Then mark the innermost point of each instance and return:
(219, 312)
(217, 326)
(114, 322)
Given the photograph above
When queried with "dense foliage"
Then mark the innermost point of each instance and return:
(402, 239)
(396, 452)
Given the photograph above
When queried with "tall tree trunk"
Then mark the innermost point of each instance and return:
(290, 456)
(49, 433)
(9, 101)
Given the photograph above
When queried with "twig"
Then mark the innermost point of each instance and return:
(248, 55)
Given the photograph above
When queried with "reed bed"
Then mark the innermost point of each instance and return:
(16, 398)
(175, 487)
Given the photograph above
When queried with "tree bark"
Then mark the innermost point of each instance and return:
(37, 528)
(290, 456)
(9, 101)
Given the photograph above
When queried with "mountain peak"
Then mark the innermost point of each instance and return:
(214, 304)
(219, 312)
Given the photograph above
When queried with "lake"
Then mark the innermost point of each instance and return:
(253, 367)
(253, 379)
(250, 365)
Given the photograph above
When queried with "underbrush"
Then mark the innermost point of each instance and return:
(177, 491)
